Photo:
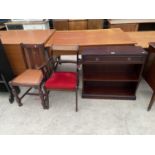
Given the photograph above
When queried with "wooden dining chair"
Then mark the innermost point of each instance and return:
(63, 80)
(32, 77)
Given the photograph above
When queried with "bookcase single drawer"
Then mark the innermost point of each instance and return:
(118, 59)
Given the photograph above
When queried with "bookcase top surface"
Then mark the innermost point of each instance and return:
(113, 50)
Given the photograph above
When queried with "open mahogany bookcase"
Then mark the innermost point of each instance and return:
(112, 72)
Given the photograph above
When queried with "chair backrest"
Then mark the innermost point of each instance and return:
(66, 49)
(34, 55)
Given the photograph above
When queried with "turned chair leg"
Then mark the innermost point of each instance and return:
(15, 93)
(151, 102)
(11, 98)
(76, 108)
(41, 94)
(46, 97)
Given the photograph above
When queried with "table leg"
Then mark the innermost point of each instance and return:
(151, 102)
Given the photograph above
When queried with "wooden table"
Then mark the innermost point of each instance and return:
(90, 38)
(128, 24)
(142, 38)
(12, 39)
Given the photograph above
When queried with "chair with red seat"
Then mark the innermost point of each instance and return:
(63, 80)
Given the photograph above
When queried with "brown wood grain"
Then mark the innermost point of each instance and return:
(25, 36)
(90, 37)
(60, 24)
(15, 58)
(142, 38)
(126, 27)
(78, 24)
(95, 23)
(12, 39)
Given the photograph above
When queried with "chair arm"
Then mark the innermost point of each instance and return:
(46, 68)
(42, 66)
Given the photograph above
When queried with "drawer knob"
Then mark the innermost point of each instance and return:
(143, 52)
(129, 58)
(97, 59)
(112, 52)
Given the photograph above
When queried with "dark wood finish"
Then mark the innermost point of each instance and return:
(50, 67)
(31, 77)
(152, 47)
(106, 72)
(5, 83)
(146, 27)
(109, 90)
(143, 38)
(151, 102)
(112, 71)
(150, 75)
(41, 92)
(6, 73)
(34, 55)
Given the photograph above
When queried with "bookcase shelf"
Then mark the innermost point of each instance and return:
(115, 75)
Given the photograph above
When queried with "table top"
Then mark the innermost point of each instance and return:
(25, 36)
(125, 21)
(90, 37)
(78, 37)
(142, 38)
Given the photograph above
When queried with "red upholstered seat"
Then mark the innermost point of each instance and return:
(62, 80)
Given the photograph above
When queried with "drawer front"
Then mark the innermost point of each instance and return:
(117, 59)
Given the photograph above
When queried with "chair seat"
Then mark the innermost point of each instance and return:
(62, 80)
(28, 77)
